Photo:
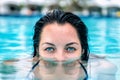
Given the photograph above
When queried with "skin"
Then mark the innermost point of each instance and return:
(59, 38)
(60, 44)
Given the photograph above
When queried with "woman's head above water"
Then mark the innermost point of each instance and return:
(60, 36)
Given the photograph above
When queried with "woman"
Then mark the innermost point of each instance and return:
(60, 47)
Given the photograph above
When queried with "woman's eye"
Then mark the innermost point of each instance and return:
(70, 49)
(49, 49)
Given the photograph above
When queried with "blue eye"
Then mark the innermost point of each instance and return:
(70, 49)
(49, 49)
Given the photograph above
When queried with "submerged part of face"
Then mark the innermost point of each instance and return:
(62, 72)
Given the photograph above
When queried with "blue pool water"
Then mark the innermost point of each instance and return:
(16, 41)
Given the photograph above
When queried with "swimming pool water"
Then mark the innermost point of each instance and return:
(16, 41)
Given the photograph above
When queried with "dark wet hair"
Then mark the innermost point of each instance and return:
(62, 17)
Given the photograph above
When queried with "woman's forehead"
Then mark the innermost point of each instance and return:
(59, 32)
(57, 28)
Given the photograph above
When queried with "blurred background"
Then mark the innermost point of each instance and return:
(18, 17)
(81, 7)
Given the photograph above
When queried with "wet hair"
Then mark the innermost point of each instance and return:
(62, 17)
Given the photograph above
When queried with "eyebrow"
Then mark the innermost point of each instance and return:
(48, 43)
(71, 43)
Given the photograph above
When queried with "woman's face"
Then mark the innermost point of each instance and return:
(60, 44)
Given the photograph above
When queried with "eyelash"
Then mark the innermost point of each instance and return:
(73, 49)
(46, 49)
(51, 49)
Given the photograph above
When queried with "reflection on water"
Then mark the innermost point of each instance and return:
(16, 43)
(103, 69)
(19, 69)
(7, 71)
(14, 69)
(115, 60)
